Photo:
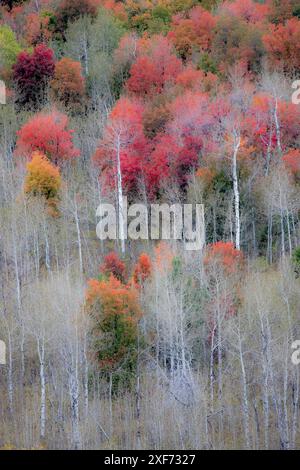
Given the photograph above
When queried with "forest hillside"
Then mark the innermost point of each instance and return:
(141, 342)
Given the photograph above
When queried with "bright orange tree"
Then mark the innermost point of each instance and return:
(115, 310)
(142, 269)
(224, 255)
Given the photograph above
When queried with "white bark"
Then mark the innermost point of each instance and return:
(120, 197)
(41, 355)
(236, 146)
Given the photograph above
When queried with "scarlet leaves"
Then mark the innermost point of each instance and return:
(155, 68)
(123, 138)
(143, 269)
(260, 125)
(113, 265)
(31, 75)
(49, 134)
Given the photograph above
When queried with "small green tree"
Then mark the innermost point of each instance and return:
(296, 261)
(9, 48)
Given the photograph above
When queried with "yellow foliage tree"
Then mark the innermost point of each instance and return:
(43, 179)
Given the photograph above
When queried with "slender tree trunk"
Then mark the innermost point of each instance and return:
(237, 143)
(74, 395)
(277, 126)
(78, 235)
(41, 354)
(245, 393)
(120, 198)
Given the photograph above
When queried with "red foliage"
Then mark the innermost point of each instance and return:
(192, 121)
(176, 153)
(190, 78)
(260, 126)
(292, 161)
(196, 80)
(32, 73)
(289, 120)
(49, 134)
(113, 265)
(172, 162)
(283, 44)
(123, 134)
(143, 269)
(156, 67)
(247, 10)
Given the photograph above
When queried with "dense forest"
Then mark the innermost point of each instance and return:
(142, 344)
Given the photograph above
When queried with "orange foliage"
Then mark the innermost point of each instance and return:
(196, 80)
(206, 175)
(37, 28)
(224, 254)
(68, 82)
(116, 298)
(195, 31)
(163, 257)
(116, 309)
(143, 269)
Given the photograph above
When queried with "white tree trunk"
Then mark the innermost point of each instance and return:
(41, 354)
(120, 198)
(74, 397)
(78, 236)
(237, 143)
